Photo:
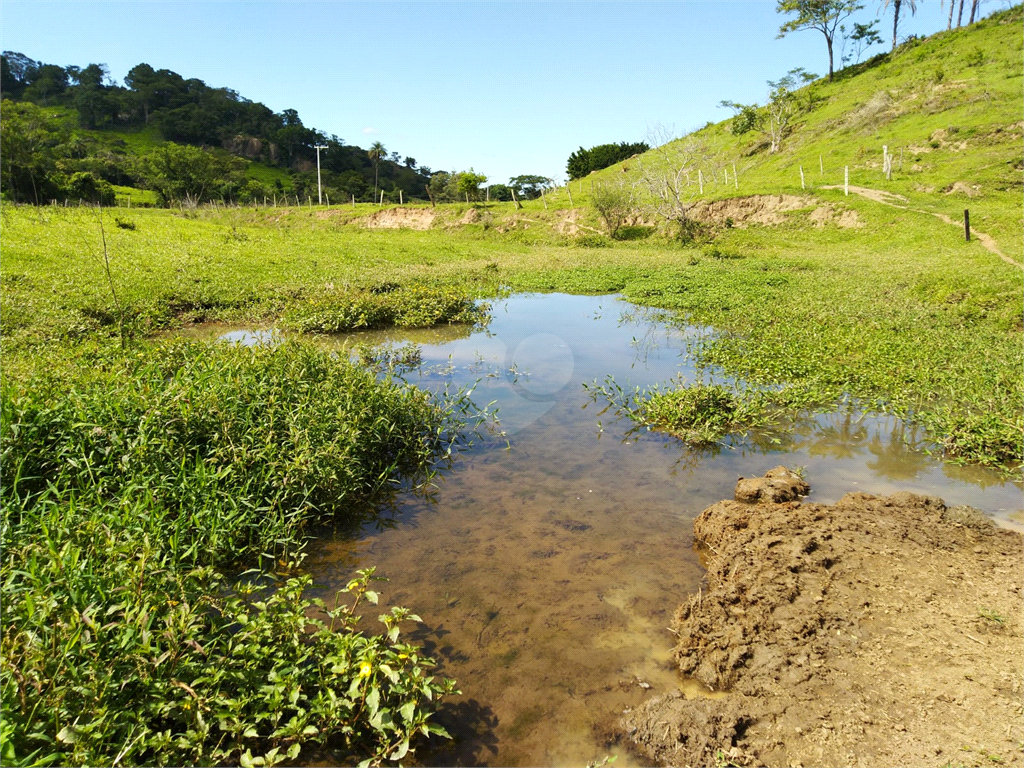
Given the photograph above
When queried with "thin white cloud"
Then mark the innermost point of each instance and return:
(369, 130)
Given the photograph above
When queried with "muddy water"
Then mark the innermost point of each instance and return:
(549, 561)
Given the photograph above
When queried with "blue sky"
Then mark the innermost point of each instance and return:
(507, 88)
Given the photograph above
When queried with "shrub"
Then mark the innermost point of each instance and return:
(614, 204)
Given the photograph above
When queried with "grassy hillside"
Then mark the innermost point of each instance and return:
(949, 105)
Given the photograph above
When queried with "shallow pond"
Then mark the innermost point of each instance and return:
(547, 563)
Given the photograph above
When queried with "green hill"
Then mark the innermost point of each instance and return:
(948, 108)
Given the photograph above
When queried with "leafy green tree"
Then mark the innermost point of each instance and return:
(443, 186)
(822, 15)
(529, 187)
(499, 193)
(863, 37)
(143, 82)
(468, 184)
(32, 142)
(50, 82)
(584, 161)
(181, 173)
(84, 186)
(18, 72)
(91, 96)
(376, 153)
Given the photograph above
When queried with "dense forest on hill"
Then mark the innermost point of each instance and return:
(77, 131)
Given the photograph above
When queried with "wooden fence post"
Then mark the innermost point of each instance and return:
(802, 185)
(967, 224)
(846, 182)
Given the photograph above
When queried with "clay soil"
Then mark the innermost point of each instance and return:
(878, 631)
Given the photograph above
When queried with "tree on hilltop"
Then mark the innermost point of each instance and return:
(529, 186)
(896, 4)
(774, 118)
(822, 15)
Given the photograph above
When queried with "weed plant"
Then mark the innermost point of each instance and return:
(133, 486)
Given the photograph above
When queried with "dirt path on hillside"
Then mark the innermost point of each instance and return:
(894, 200)
(877, 631)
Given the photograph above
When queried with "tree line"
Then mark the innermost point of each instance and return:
(185, 112)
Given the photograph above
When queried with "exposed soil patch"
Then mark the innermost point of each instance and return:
(878, 631)
(826, 214)
(400, 218)
(958, 187)
(755, 209)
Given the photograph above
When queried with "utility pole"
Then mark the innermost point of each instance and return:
(319, 192)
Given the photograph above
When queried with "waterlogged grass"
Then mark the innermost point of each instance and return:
(899, 312)
(133, 486)
(389, 305)
(702, 414)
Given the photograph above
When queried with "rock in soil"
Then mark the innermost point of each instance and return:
(876, 631)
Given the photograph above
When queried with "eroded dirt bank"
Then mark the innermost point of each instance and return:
(878, 631)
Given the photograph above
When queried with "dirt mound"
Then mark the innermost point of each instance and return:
(826, 214)
(755, 209)
(877, 631)
(959, 188)
(400, 218)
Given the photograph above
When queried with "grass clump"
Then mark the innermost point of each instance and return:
(698, 414)
(415, 306)
(133, 486)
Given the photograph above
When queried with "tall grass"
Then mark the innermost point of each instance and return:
(132, 487)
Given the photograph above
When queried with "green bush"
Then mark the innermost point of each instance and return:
(130, 485)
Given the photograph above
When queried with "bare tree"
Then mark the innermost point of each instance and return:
(666, 174)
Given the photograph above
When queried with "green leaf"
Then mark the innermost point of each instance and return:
(373, 700)
(294, 749)
(68, 734)
(401, 751)
(371, 596)
(408, 710)
(245, 760)
(393, 634)
(250, 733)
(438, 730)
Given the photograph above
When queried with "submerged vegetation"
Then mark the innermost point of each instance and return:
(134, 488)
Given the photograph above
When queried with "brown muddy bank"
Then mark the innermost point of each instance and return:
(876, 631)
